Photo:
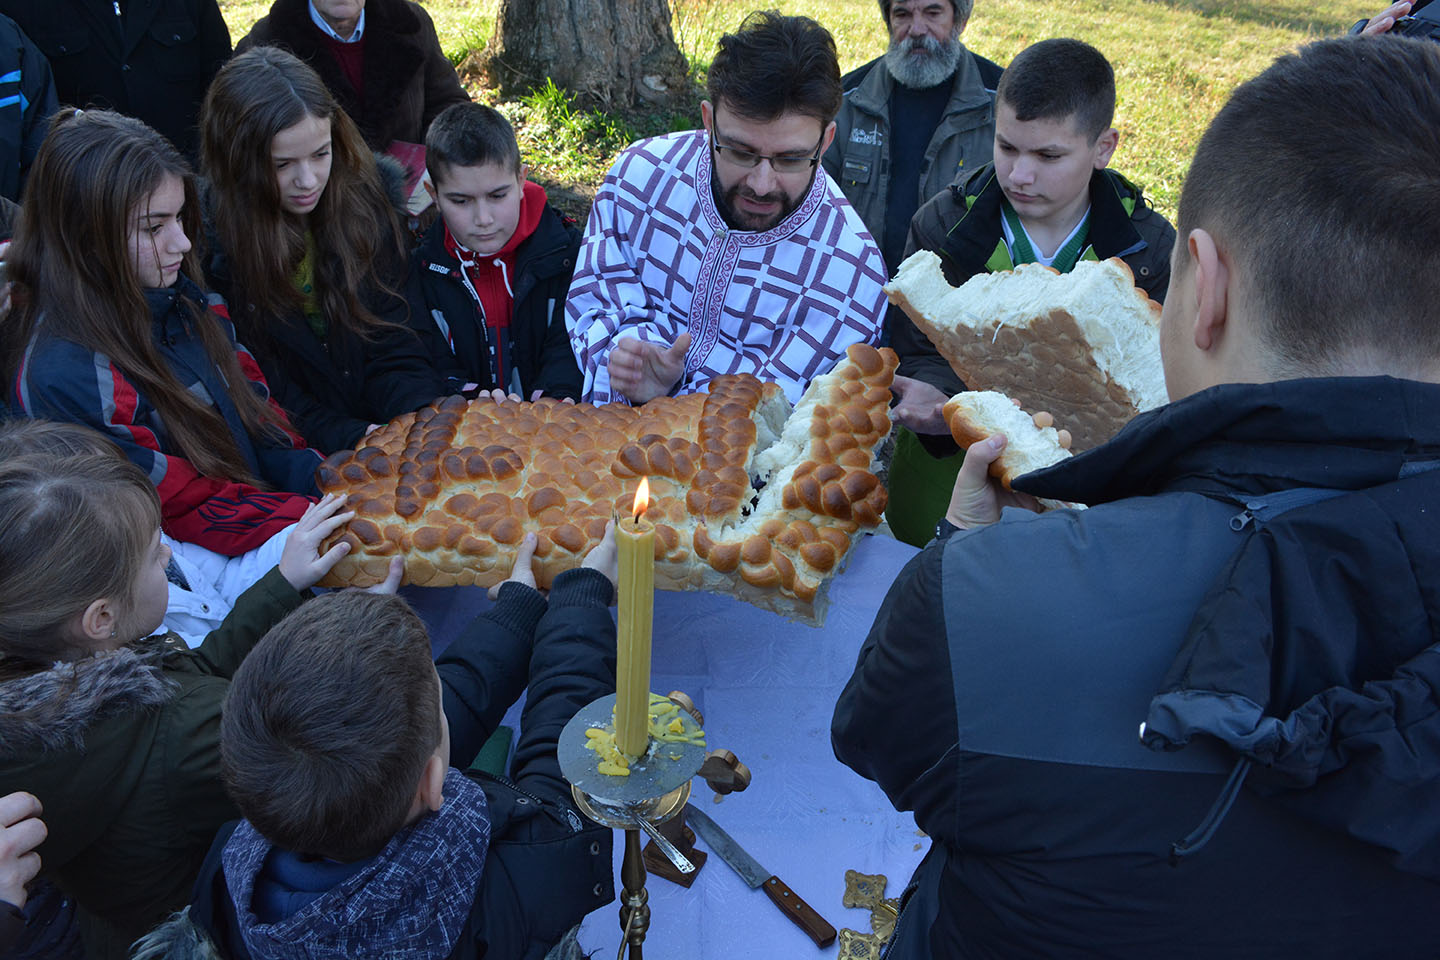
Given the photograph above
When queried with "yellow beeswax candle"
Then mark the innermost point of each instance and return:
(635, 540)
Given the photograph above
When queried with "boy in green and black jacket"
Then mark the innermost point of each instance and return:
(1047, 198)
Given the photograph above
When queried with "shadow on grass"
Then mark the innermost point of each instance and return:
(1290, 16)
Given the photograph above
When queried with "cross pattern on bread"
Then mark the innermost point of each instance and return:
(747, 496)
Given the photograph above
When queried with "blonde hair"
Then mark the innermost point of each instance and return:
(72, 531)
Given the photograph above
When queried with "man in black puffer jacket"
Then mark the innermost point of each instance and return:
(1253, 594)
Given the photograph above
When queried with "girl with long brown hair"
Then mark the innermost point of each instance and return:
(310, 253)
(112, 331)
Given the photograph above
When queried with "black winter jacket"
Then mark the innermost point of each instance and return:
(547, 866)
(539, 342)
(27, 101)
(406, 77)
(155, 61)
(963, 226)
(336, 387)
(1003, 684)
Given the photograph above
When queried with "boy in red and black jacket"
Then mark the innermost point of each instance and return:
(489, 278)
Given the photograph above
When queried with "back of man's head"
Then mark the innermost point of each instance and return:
(470, 135)
(773, 65)
(1321, 179)
(1061, 79)
(329, 723)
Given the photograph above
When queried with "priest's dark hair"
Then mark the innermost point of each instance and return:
(772, 65)
(329, 723)
(1321, 177)
(1059, 79)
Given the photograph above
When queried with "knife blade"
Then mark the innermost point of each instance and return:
(754, 875)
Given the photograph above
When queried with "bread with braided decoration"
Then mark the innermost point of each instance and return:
(748, 497)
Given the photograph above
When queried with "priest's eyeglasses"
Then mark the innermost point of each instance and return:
(748, 160)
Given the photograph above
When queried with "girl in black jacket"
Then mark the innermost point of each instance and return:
(310, 252)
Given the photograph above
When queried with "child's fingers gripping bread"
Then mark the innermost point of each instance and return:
(1032, 442)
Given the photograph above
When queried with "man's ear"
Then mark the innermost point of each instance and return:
(707, 116)
(827, 138)
(1105, 145)
(430, 793)
(429, 188)
(99, 622)
(1212, 287)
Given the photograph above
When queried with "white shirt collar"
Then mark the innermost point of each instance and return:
(319, 21)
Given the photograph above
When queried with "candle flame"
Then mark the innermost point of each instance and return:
(642, 498)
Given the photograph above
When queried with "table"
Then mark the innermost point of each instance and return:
(767, 687)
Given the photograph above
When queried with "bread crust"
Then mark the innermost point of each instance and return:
(1040, 353)
(744, 500)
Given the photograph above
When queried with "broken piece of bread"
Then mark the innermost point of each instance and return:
(1083, 345)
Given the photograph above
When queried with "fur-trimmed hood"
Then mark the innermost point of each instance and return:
(51, 709)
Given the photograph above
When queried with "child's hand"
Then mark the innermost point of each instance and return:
(521, 571)
(391, 583)
(605, 557)
(301, 564)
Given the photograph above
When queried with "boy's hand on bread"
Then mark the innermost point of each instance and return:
(977, 497)
(920, 406)
(522, 572)
(391, 583)
(21, 831)
(642, 370)
(301, 563)
(605, 556)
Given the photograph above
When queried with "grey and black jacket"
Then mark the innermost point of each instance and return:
(1003, 686)
(859, 158)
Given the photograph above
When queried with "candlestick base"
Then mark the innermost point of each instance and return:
(654, 792)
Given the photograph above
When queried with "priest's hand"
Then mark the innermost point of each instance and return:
(642, 370)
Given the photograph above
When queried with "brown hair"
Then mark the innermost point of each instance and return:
(328, 725)
(72, 530)
(772, 65)
(1321, 176)
(71, 263)
(255, 96)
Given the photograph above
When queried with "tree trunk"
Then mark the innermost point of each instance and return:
(611, 54)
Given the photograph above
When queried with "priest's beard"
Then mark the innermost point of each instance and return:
(737, 219)
(922, 62)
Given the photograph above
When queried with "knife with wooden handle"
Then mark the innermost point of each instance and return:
(754, 875)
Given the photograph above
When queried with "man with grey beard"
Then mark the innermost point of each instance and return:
(942, 98)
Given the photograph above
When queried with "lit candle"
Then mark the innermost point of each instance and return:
(635, 540)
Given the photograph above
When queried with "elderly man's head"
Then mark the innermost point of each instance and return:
(924, 39)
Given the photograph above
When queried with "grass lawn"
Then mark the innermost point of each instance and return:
(1175, 62)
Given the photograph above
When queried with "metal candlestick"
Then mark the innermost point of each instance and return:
(655, 791)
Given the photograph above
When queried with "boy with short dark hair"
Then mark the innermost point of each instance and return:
(489, 278)
(1047, 198)
(359, 838)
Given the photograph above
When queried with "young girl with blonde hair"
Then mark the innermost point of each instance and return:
(113, 729)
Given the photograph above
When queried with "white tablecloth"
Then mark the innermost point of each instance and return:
(767, 688)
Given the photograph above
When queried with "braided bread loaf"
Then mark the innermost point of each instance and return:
(744, 501)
